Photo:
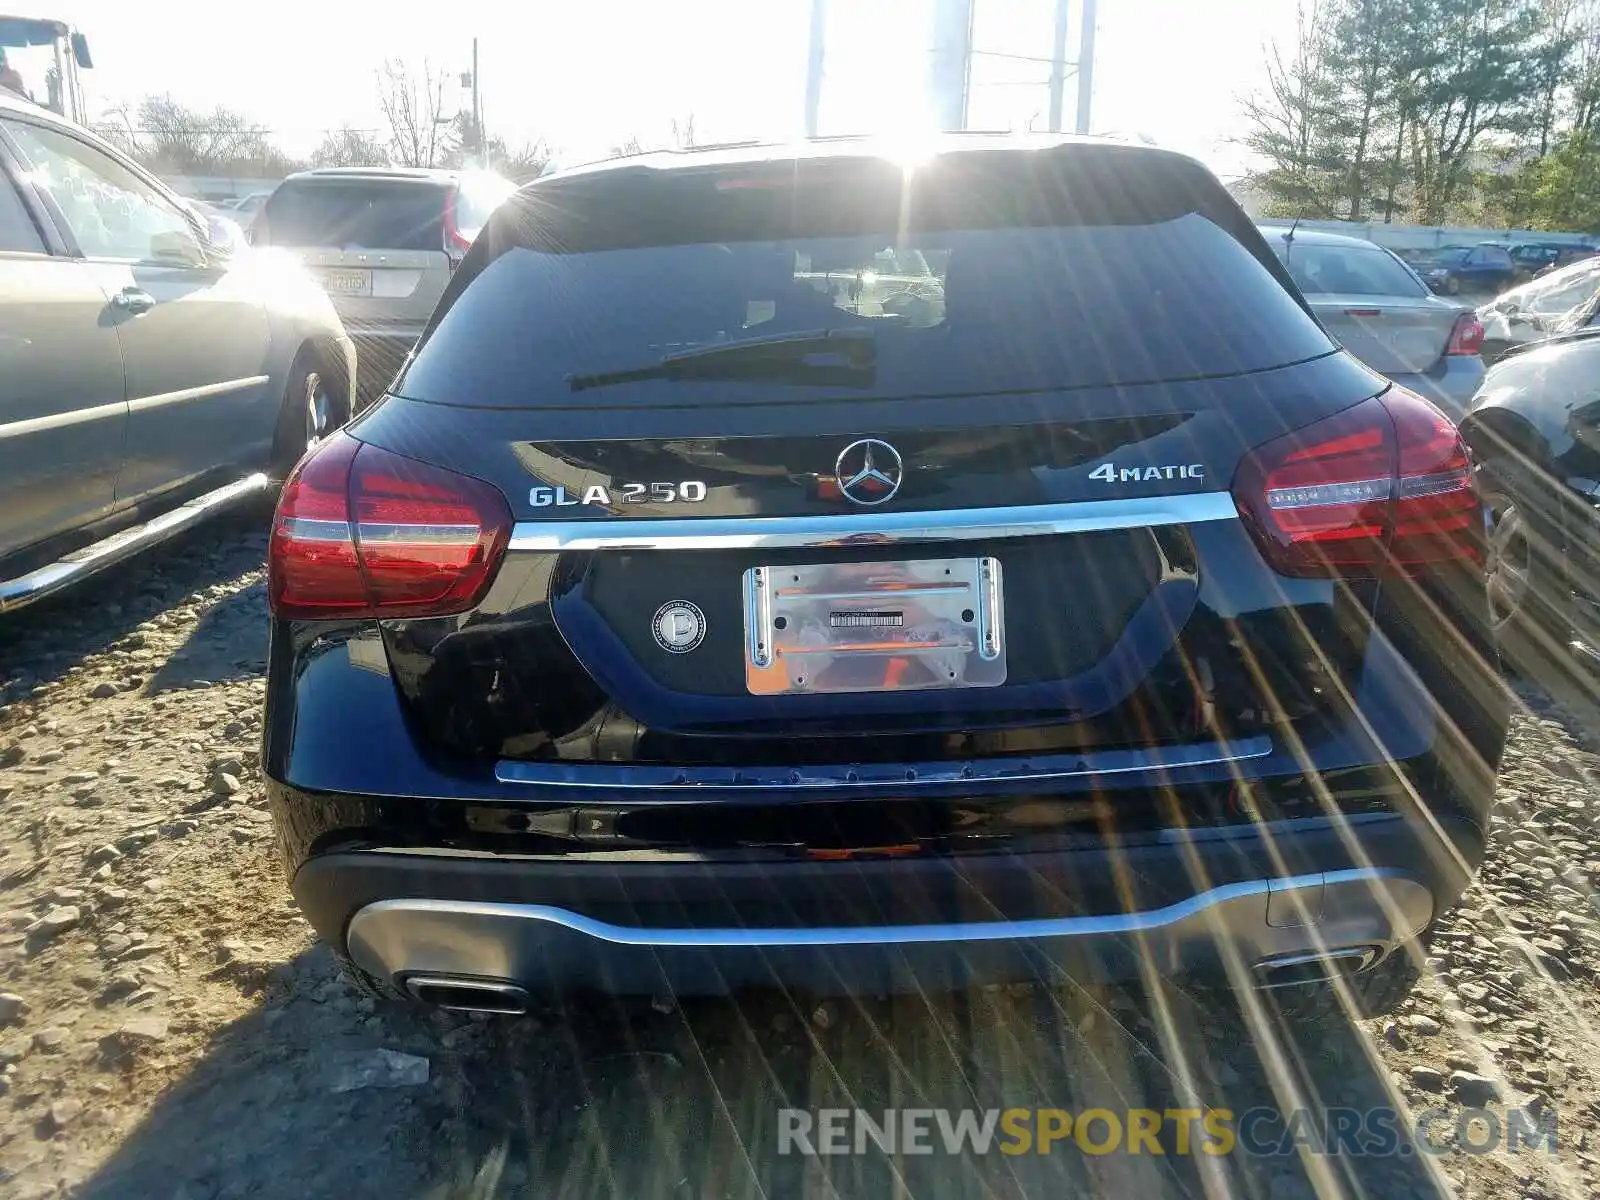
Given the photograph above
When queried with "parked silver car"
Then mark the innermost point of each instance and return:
(1376, 305)
(1560, 302)
(384, 242)
(149, 375)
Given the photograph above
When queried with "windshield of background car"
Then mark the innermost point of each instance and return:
(1006, 272)
(354, 215)
(1347, 270)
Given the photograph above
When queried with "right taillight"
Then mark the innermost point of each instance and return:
(1384, 485)
(363, 532)
(1467, 335)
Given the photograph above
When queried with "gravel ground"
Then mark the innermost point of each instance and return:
(169, 1028)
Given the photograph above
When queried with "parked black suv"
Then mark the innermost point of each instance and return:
(801, 567)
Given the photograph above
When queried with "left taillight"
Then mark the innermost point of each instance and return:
(1467, 336)
(363, 532)
(456, 243)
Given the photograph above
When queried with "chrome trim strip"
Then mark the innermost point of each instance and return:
(311, 529)
(758, 615)
(1378, 905)
(432, 535)
(205, 392)
(991, 610)
(874, 528)
(62, 420)
(606, 777)
(25, 589)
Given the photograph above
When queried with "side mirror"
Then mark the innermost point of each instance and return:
(179, 249)
(80, 51)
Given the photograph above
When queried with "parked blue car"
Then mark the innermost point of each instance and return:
(1456, 269)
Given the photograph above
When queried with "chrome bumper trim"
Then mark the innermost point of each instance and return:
(1035, 769)
(1320, 913)
(872, 528)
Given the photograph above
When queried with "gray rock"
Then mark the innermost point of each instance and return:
(63, 1113)
(1472, 1090)
(51, 1039)
(142, 1031)
(378, 1069)
(1423, 1025)
(12, 1006)
(1427, 1078)
(56, 921)
(103, 854)
(224, 783)
(104, 691)
(120, 984)
(15, 1050)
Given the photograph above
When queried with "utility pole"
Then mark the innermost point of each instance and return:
(950, 72)
(1058, 65)
(1086, 66)
(477, 108)
(819, 35)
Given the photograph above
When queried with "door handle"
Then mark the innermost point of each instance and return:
(133, 300)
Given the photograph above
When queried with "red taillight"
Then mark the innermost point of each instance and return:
(362, 532)
(1467, 336)
(1386, 484)
(456, 243)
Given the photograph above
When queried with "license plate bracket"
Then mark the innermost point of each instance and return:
(905, 625)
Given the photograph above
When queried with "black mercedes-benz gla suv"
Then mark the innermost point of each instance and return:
(802, 566)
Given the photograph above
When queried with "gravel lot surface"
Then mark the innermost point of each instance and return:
(169, 1028)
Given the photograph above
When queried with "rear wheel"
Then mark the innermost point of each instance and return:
(1511, 566)
(313, 408)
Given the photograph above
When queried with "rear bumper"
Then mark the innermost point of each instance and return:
(1203, 904)
(1450, 387)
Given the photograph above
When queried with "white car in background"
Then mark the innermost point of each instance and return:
(1383, 313)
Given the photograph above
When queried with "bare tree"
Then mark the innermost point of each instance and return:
(169, 136)
(348, 147)
(420, 134)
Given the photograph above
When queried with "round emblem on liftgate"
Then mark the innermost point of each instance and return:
(679, 626)
(868, 472)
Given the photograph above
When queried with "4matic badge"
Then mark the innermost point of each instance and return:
(1111, 473)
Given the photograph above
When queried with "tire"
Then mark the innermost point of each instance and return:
(1513, 564)
(1375, 992)
(312, 409)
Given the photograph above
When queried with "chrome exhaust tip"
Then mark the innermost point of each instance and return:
(467, 995)
(1318, 966)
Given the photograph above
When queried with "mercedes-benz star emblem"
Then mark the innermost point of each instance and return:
(869, 471)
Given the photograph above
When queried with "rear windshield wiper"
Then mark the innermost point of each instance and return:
(816, 356)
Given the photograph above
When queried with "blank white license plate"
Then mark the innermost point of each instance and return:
(347, 283)
(874, 626)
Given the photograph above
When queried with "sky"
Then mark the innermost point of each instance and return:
(587, 74)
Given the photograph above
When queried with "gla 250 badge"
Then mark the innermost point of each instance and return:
(690, 491)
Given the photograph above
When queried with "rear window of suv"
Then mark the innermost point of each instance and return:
(363, 214)
(994, 272)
